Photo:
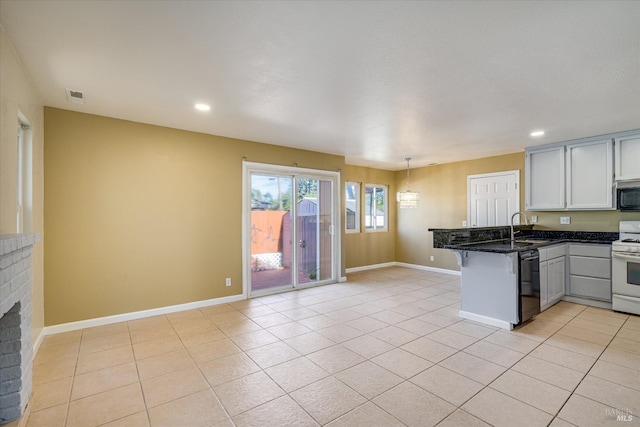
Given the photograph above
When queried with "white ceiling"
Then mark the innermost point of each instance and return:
(373, 81)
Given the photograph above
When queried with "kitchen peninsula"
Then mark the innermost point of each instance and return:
(500, 280)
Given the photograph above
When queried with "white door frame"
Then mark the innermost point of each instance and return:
(252, 167)
(489, 175)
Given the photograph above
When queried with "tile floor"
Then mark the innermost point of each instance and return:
(385, 348)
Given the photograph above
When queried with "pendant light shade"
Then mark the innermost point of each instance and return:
(408, 199)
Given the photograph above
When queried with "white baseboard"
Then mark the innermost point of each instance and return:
(402, 264)
(486, 320)
(432, 269)
(369, 267)
(101, 321)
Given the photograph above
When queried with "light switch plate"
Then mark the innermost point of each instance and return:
(565, 220)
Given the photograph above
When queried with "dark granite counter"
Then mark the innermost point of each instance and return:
(497, 239)
(456, 236)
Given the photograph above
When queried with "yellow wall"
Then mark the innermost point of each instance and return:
(142, 216)
(370, 248)
(17, 94)
(443, 204)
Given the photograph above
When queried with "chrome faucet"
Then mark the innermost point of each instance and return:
(513, 236)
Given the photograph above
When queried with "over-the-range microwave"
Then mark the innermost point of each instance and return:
(628, 196)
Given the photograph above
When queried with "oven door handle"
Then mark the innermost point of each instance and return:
(629, 257)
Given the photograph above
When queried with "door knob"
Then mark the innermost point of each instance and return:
(302, 244)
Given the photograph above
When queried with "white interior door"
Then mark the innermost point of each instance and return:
(492, 198)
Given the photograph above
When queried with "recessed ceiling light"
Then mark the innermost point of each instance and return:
(537, 133)
(203, 107)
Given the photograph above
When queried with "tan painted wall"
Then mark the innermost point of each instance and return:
(370, 248)
(142, 216)
(17, 94)
(443, 204)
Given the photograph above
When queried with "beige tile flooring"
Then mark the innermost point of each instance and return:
(385, 348)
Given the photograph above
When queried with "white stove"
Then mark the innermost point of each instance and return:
(625, 268)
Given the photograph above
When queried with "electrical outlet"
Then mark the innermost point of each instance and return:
(228, 281)
(464, 224)
(534, 219)
(565, 220)
(432, 258)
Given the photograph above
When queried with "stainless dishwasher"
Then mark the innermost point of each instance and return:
(528, 284)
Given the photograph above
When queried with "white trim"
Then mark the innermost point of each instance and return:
(342, 279)
(294, 171)
(100, 321)
(402, 264)
(432, 269)
(369, 267)
(486, 320)
(246, 223)
(38, 342)
(358, 214)
(375, 229)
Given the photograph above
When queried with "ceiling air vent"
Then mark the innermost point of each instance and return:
(75, 96)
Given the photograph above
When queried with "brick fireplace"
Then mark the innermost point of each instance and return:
(16, 350)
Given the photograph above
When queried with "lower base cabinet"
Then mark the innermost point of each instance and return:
(590, 272)
(552, 275)
(556, 278)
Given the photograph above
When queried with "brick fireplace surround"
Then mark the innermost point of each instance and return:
(16, 350)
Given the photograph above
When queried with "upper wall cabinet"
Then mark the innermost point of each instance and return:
(572, 176)
(590, 175)
(628, 158)
(544, 179)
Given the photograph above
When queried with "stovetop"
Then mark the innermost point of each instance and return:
(629, 237)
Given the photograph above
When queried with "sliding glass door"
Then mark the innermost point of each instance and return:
(314, 229)
(290, 228)
(271, 231)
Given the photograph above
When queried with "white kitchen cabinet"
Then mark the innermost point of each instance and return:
(627, 153)
(556, 279)
(589, 175)
(544, 179)
(590, 271)
(552, 275)
(571, 176)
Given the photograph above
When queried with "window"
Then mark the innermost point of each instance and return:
(352, 207)
(375, 203)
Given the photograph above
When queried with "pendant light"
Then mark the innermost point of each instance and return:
(408, 199)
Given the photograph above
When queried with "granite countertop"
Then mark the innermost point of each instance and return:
(504, 246)
(496, 239)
